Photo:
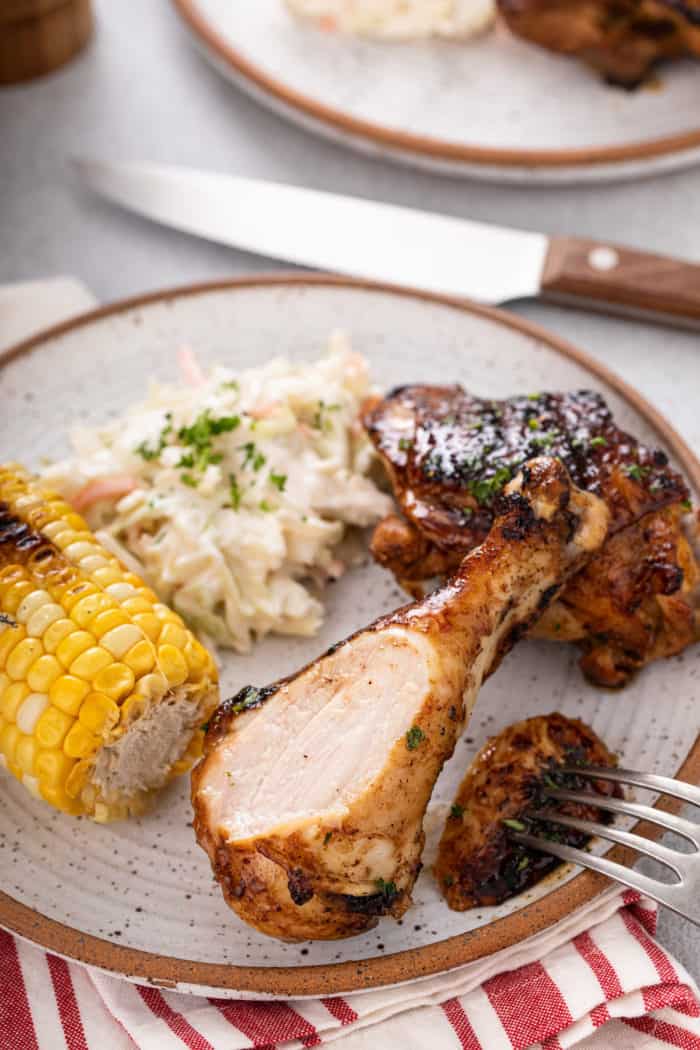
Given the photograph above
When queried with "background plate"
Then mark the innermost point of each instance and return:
(494, 107)
(137, 898)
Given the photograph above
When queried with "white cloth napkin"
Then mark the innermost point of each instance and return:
(596, 980)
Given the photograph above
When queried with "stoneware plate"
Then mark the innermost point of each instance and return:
(137, 898)
(494, 107)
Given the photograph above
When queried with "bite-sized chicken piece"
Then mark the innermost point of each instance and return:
(622, 39)
(479, 862)
(311, 796)
(448, 455)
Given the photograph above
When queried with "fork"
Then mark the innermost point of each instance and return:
(681, 896)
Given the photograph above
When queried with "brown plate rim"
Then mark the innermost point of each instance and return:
(406, 142)
(352, 976)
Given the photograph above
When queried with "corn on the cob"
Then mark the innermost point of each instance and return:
(103, 690)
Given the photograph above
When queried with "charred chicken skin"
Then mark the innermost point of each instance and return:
(311, 796)
(448, 455)
(479, 863)
(622, 39)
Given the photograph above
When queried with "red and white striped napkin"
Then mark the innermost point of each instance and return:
(608, 987)
(598, 980)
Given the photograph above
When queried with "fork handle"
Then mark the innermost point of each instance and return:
(600, 276)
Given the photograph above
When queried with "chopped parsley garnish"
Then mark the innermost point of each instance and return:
(235, 491)
(534, 424)
(484, 489)
(327, 838)
(405, 444)
(279, 481)
(265, 506)
(204, 727)
(545, 440)
(150, 452)
(467, 512)
(448, 881)
(189, 479)
(534, 397)
(320, 420)
(230, 384)
(253, 457)
(634, 470)
(523, 863)
(686, 504)
(414, 737)
(514, 825)
(549, 781)
(457, 811)
(249, 697)
(598, 442)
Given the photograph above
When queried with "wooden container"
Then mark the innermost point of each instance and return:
(37, 36)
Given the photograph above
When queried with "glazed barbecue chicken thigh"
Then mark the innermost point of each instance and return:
(311, 796)
(448, 455)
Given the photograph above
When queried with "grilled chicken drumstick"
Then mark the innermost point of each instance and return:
(311, 796)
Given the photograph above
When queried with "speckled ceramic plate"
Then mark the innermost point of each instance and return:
(494, 107)
(137, 898)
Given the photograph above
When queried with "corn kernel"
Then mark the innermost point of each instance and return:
(57, 797)
(9, 638)
(174, 634)
(41, 620)
(30, 711)
(77, 592)
(25, 753)
(15, 595)
(99, 713)
(108, 621)
(80, 549)
(11, 700)
(32, 785)
(54, 528)
(120, 591)
(43, 673)
(22, 657)
(173, 664)
(85, 610)
(73, 645)
(149, 624)
(67, 693)
(141, 659)
(90, 663)
(136, 605)
(133, 709)
(8, 741)
(52, 727)
(52, 766)
(92, 563)
(80, 742)
(198, 659)
(105, 577)
(56, 633)
(116, 681)
(30, 604)
(166, 615)
(77, 778)
(4, 683)
(119, 640)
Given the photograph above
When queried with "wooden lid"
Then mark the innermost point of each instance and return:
(38, 36)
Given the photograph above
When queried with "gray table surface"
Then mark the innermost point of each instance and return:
(141, 91)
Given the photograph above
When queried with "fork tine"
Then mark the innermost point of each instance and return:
(686, 828)
(670, 857)
(666, 785)
(673, 896)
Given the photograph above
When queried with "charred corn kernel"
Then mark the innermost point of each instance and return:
(116, 681)
(121, 639)
(90, 663)
(73, 645)
(34, 600)
(22, 657)
(8, 741)
(174, 634)
(99, 713)
(108, 621)
(68, 692)
(25, 754)
(80, 742)
(141, 659)
(173, 664)
(9, 637)
(30, 711)
(86, 652)
(15, 595)
(85, 610)
(52, 727)
(41, 620)
(52, 766)
(43, 673)
(12, 697)
(77, 778)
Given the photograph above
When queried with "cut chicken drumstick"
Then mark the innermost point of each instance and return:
(311, 796)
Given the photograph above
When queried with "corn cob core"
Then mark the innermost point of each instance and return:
(103, 690)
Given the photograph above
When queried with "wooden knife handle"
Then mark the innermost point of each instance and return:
(621, 280)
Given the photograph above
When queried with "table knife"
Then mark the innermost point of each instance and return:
(402, 246)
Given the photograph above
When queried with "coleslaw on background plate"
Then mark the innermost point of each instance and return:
(399, 19)
(230, 492)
